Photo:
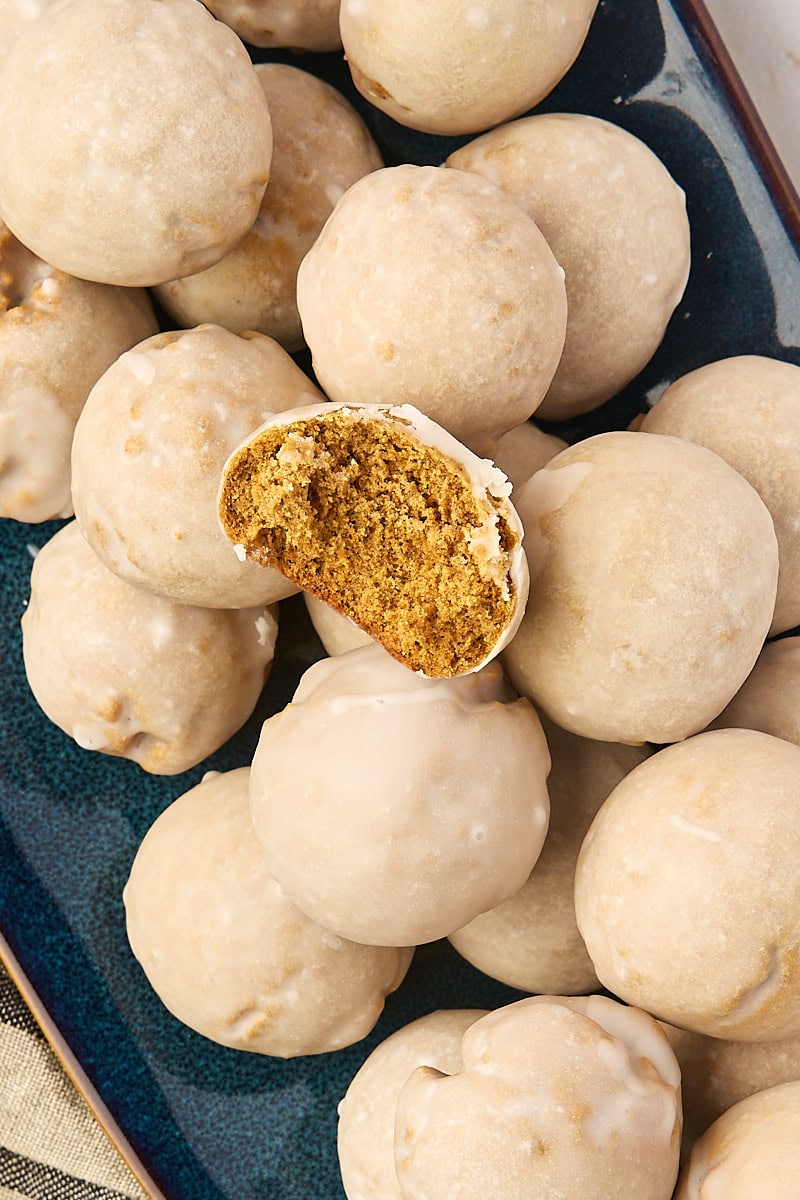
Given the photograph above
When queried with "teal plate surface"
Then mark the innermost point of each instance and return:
(208, 1123)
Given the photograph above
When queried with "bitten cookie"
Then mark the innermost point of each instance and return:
(383, 515)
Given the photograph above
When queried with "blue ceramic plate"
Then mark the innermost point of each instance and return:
(206, 1123)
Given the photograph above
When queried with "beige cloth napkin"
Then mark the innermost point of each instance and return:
(51, 1147)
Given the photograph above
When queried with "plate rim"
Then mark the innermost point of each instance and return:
(708, 42)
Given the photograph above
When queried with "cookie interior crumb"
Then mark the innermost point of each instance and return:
(384, 528)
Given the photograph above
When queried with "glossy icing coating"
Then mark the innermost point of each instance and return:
(477, 63)
(620, 530)
(380, 512)
(394, 801)
(686, 888)
(148, 451)
(155, 133)
(582, 1092)
(478, 356)
(225, 949)
(129, 673)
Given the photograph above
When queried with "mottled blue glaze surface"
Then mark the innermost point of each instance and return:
(208, 1122)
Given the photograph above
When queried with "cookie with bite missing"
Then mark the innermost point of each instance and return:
(453, 67)
(382, 514)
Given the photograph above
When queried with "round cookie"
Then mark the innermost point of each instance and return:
(531, 940)
(616, 221)
(294, 24)
(555, 1097)
(478, 356)
(620, 530)
(716, 1074)
(337, 632)
(134, 675)
(225, 950)
(155, 134)
(458, 67)
(58, 334)
(367, 1110)
(148, 451)
(381, 513)
(320, 147)
(747, 410)
(768, 698)
(687, 893)
(14, 16)
(750, 1151)
(524, 450)
(394, 808)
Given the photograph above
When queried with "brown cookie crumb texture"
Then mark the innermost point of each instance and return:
(362, 515)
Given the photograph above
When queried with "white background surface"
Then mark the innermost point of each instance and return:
(763, 38)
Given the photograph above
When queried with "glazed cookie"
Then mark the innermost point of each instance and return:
(750, 1151)
(337, 632)
(458, 67)
(716, 1074)
(224, 949)
(58, 334)
(321, 147)
(294, 24)
(155, 132)
(132, 674)
(531, 940)
(394, 808)
(148, 451)
(686, 890)
(380, 513)
(619, 530)
(524, 450)
(747, 410)
(768, 698)
(14, 16)
(555, 1097)
(616, 221)
(367, 1111)
(479, 354)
